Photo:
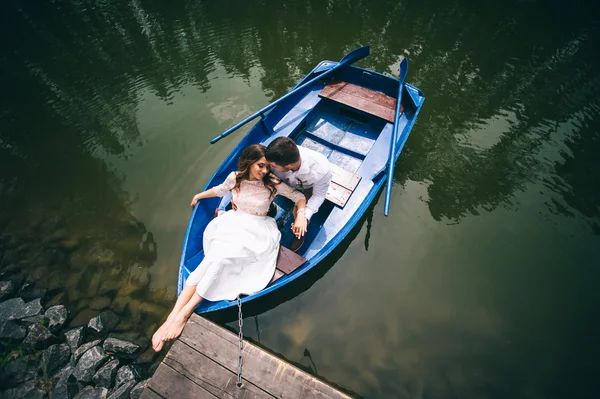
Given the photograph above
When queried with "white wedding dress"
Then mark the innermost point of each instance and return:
(241, 246)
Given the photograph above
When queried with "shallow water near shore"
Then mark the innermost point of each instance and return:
(482, 281)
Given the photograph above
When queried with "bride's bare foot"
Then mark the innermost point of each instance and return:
(158, 337)
(176, 327)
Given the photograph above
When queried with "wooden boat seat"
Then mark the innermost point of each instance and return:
(342, 185)
(287, 262)
(366, 100)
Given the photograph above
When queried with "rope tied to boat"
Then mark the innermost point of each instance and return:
(241, 342)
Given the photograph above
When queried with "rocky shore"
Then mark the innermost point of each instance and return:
(44, 357)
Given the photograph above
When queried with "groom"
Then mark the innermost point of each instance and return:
(303, 169)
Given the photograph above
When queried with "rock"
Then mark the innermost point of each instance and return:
(20, 370)
(89, 363)
(70, 244)
(28, 390)
(103, 256)
(73, 287)
(10, 256)
(126, 374)
(105, 377)
(7, 289)
(94, 285)
(84, 348)
(147, 357)
(153, 310)
(108, 286)
(134, 307)
(54, 358)
(139, 274)
(56, 257)
(56, 235)
(38, 337)
(119, 303)
(83, 317)
(66, 385)
(124, 349)
(124, 325)
(99, 303)
(138, 389)
(57, 316)
(138, 279)
(11, 308)
(55, 281)
(143, 341)
(33, 294)
(55, 298)
(37, 319)
(74, 338)
(32, 308)
(11, 329)
(130, 335)
(16, 309)
(11, 269)
(26, 288)
(92, 393)
(104, 323)
(80, 385)
(133, 336)
(123, 391)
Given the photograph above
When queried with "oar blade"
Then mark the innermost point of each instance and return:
(355, 55)
(403, 70)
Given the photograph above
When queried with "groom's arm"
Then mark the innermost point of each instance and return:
(318, 194)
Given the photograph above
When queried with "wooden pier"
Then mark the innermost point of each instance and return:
(203, 362)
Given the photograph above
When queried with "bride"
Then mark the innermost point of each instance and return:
(240, 246)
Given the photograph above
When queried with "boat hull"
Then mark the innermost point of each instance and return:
(314, 122)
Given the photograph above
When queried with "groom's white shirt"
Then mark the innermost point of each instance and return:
(314, 172)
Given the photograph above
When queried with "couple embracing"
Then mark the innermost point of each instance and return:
(241, 245)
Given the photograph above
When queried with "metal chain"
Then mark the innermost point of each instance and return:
(241, 343)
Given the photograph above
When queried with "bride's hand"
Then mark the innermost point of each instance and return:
(299, 226)
(195, 200)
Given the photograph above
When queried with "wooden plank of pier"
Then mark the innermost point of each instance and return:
(203, 362)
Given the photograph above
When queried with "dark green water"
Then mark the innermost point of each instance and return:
(483, 281)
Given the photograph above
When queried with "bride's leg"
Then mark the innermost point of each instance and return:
(176, 327)
(160, 334)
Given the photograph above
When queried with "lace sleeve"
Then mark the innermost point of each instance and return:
(226, 186)
(288, 192)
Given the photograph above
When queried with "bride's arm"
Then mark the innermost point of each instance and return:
(204, 194)
(217, 191)
(300, 221)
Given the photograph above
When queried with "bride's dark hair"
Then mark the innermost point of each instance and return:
(251, 154)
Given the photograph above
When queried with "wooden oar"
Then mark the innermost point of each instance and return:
(350, 58)
(390, 177)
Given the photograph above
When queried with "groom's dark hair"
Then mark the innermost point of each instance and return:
(282, 151)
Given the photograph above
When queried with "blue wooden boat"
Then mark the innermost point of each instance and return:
(349, 114)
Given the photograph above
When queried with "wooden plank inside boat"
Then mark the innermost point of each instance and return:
(344, 177)
(342, 185)
(361, 98)
(288, 260)
(276, 276)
